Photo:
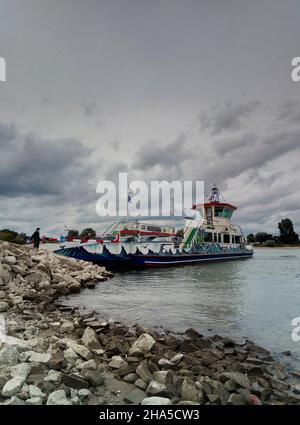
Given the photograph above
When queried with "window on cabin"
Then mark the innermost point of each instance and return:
(215, 237)
(226, 238)
(237, 239)
(219, 211)
(226, 213)
(219, 238)
(200, 236)
(207, 237)
(208, 212)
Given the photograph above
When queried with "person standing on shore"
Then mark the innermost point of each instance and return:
(36, 238)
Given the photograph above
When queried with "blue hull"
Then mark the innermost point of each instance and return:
(138, 260)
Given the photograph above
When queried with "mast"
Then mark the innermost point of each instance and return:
(214, 194)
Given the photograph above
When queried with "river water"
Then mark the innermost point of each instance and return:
(255, 298)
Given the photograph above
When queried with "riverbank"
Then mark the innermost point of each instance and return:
(54, 355)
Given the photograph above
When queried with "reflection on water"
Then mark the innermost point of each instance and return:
(254, 298)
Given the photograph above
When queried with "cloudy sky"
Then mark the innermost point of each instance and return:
(162, 89)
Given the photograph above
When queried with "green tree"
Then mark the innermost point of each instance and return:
(73, 233)
(287, 233)
(12, 236)
(88, 232)
(262, 237)
(21, 238)
(250, 238)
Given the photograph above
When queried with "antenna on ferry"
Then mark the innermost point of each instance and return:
(214, 194)
(129, 197)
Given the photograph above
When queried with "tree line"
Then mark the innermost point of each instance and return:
(87, 232)
(287, 235)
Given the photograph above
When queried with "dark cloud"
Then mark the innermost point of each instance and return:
(154, 153)
(228, 145)
(289, 112)
(228, 117)
(33, 165)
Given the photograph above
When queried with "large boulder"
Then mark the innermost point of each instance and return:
(21, 370)
(9, 355)
(5, 276)
(74, 381)
(81, 350)
(159, 401)
(143, 372)
(155, 388)
(33, 357)
(12, 386)
(117, 362)
(58, 398)
(241, 379)
(4, 306)
(9, 259)
(142, 345)
(90, 339)
(189, 391)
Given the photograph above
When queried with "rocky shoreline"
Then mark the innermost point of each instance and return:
(50, 354)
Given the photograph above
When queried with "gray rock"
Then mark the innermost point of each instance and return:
(295, 387)
(88, 365)
(143, 372)
(70, 356)
(33, 357)
(230, 385)
(279, 385)
(141, 384)
(142, 345)
(131, 377)
(280, 372)
(94, 377)
(3, 306)
(157, 401)
(81, 350)
(9, 355)
(10, 259)
(239, 378)
(74, 381)
(84, 393)
(12, 386)
(14, 401)
(237, 399)
(34, 401)
(165, 377)
(67, 327)
(53, 376)
(36, 392)
(58, 398)
(90, 339)
(136, 396)
(166, 364)
(117, 362)
(189, 391)
(155, 388)
(177, 358)
(75, 400)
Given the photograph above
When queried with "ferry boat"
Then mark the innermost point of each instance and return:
(208, 235)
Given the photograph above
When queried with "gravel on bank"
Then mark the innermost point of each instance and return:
(52, 355)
